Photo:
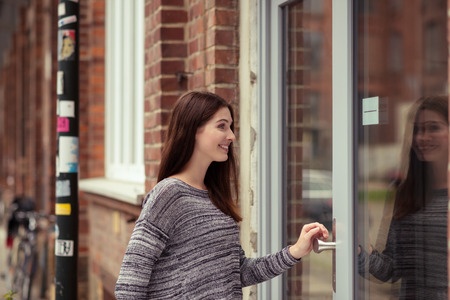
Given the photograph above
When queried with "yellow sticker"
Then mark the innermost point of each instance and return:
(62, 209)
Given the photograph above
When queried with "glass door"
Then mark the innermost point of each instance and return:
(296, 149)
(355, 114)
(307, 138)
(401, 107)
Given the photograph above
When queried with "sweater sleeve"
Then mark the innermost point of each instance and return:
(146, 244)
(257, 270)
(381, 265)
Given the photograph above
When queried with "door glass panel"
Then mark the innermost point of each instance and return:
(401, 104)
(307, 138)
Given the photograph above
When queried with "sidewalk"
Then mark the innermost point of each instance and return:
(5, 285)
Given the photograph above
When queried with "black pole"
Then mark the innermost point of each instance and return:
(66, 206)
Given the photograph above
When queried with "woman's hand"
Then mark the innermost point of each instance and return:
(304, 244)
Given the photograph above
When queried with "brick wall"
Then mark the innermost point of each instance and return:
(27, 87)
(187, 47)
(92, 85)
(92, 133)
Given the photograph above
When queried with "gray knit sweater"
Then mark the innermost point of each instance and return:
(183, 247)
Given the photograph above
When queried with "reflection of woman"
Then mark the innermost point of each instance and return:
(416, 246)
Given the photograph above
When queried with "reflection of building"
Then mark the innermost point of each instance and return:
(401, 57)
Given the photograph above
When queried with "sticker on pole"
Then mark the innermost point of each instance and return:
(68, 154)
(66, 44)
(66, 108)
(62, 188)
(63, 209)
(64, 248)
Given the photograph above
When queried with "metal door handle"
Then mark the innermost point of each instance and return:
(319, 246)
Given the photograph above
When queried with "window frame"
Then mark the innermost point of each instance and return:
(124, 90)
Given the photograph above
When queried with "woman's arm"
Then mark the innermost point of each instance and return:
(144, 248)
(147, 242)
(257, 270)
(380, 264)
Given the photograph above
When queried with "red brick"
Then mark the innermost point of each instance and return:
(172, 33)
(173, 16)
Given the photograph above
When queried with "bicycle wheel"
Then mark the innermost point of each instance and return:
(24, 270)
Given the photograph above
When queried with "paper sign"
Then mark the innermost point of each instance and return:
(61, 9)
(374, 111)
(68, 154)
(63, 124)
(64, 247)
(66, 44)
(63, 209)
(67, 20)
(60, 83)
(66, 109)
(62, 188)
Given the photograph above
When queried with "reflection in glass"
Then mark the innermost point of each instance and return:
(401, 205)
(307, 140)
(415, 251)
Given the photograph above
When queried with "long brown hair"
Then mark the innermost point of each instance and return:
(415, 186)
(191, 111)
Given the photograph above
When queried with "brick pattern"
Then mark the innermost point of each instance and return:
(303, 81)
(297, 89)
(165, 53)
(27, 85)
(187, 47)
(111, 225)
(92, 85)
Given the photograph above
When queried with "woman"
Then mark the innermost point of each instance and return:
(185, 244)
(416, 246)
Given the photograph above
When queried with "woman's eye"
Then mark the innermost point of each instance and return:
(434, 128)
(221, 126)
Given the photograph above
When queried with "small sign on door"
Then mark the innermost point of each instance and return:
(374, 111)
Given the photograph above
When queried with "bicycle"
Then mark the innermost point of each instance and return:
(24, 260)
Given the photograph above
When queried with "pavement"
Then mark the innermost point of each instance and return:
(5, 275)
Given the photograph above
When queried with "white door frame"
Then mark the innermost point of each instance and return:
(270, 187)
(343, 149)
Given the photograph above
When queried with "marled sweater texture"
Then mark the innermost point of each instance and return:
(415, 253)
(183, 247)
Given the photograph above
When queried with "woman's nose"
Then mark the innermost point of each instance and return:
(423, 135)
(232, 136)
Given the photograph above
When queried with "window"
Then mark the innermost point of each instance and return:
(395, 57)
(435, 53)
(124, 72)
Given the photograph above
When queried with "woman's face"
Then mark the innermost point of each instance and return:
(431, 136)
(215, 137)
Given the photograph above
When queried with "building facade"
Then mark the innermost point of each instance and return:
(299, 74)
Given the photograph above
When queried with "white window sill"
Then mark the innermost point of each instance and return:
(129, 192)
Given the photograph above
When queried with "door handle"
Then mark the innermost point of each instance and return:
(319, 245)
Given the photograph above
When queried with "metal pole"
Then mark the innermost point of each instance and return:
(66, 206)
